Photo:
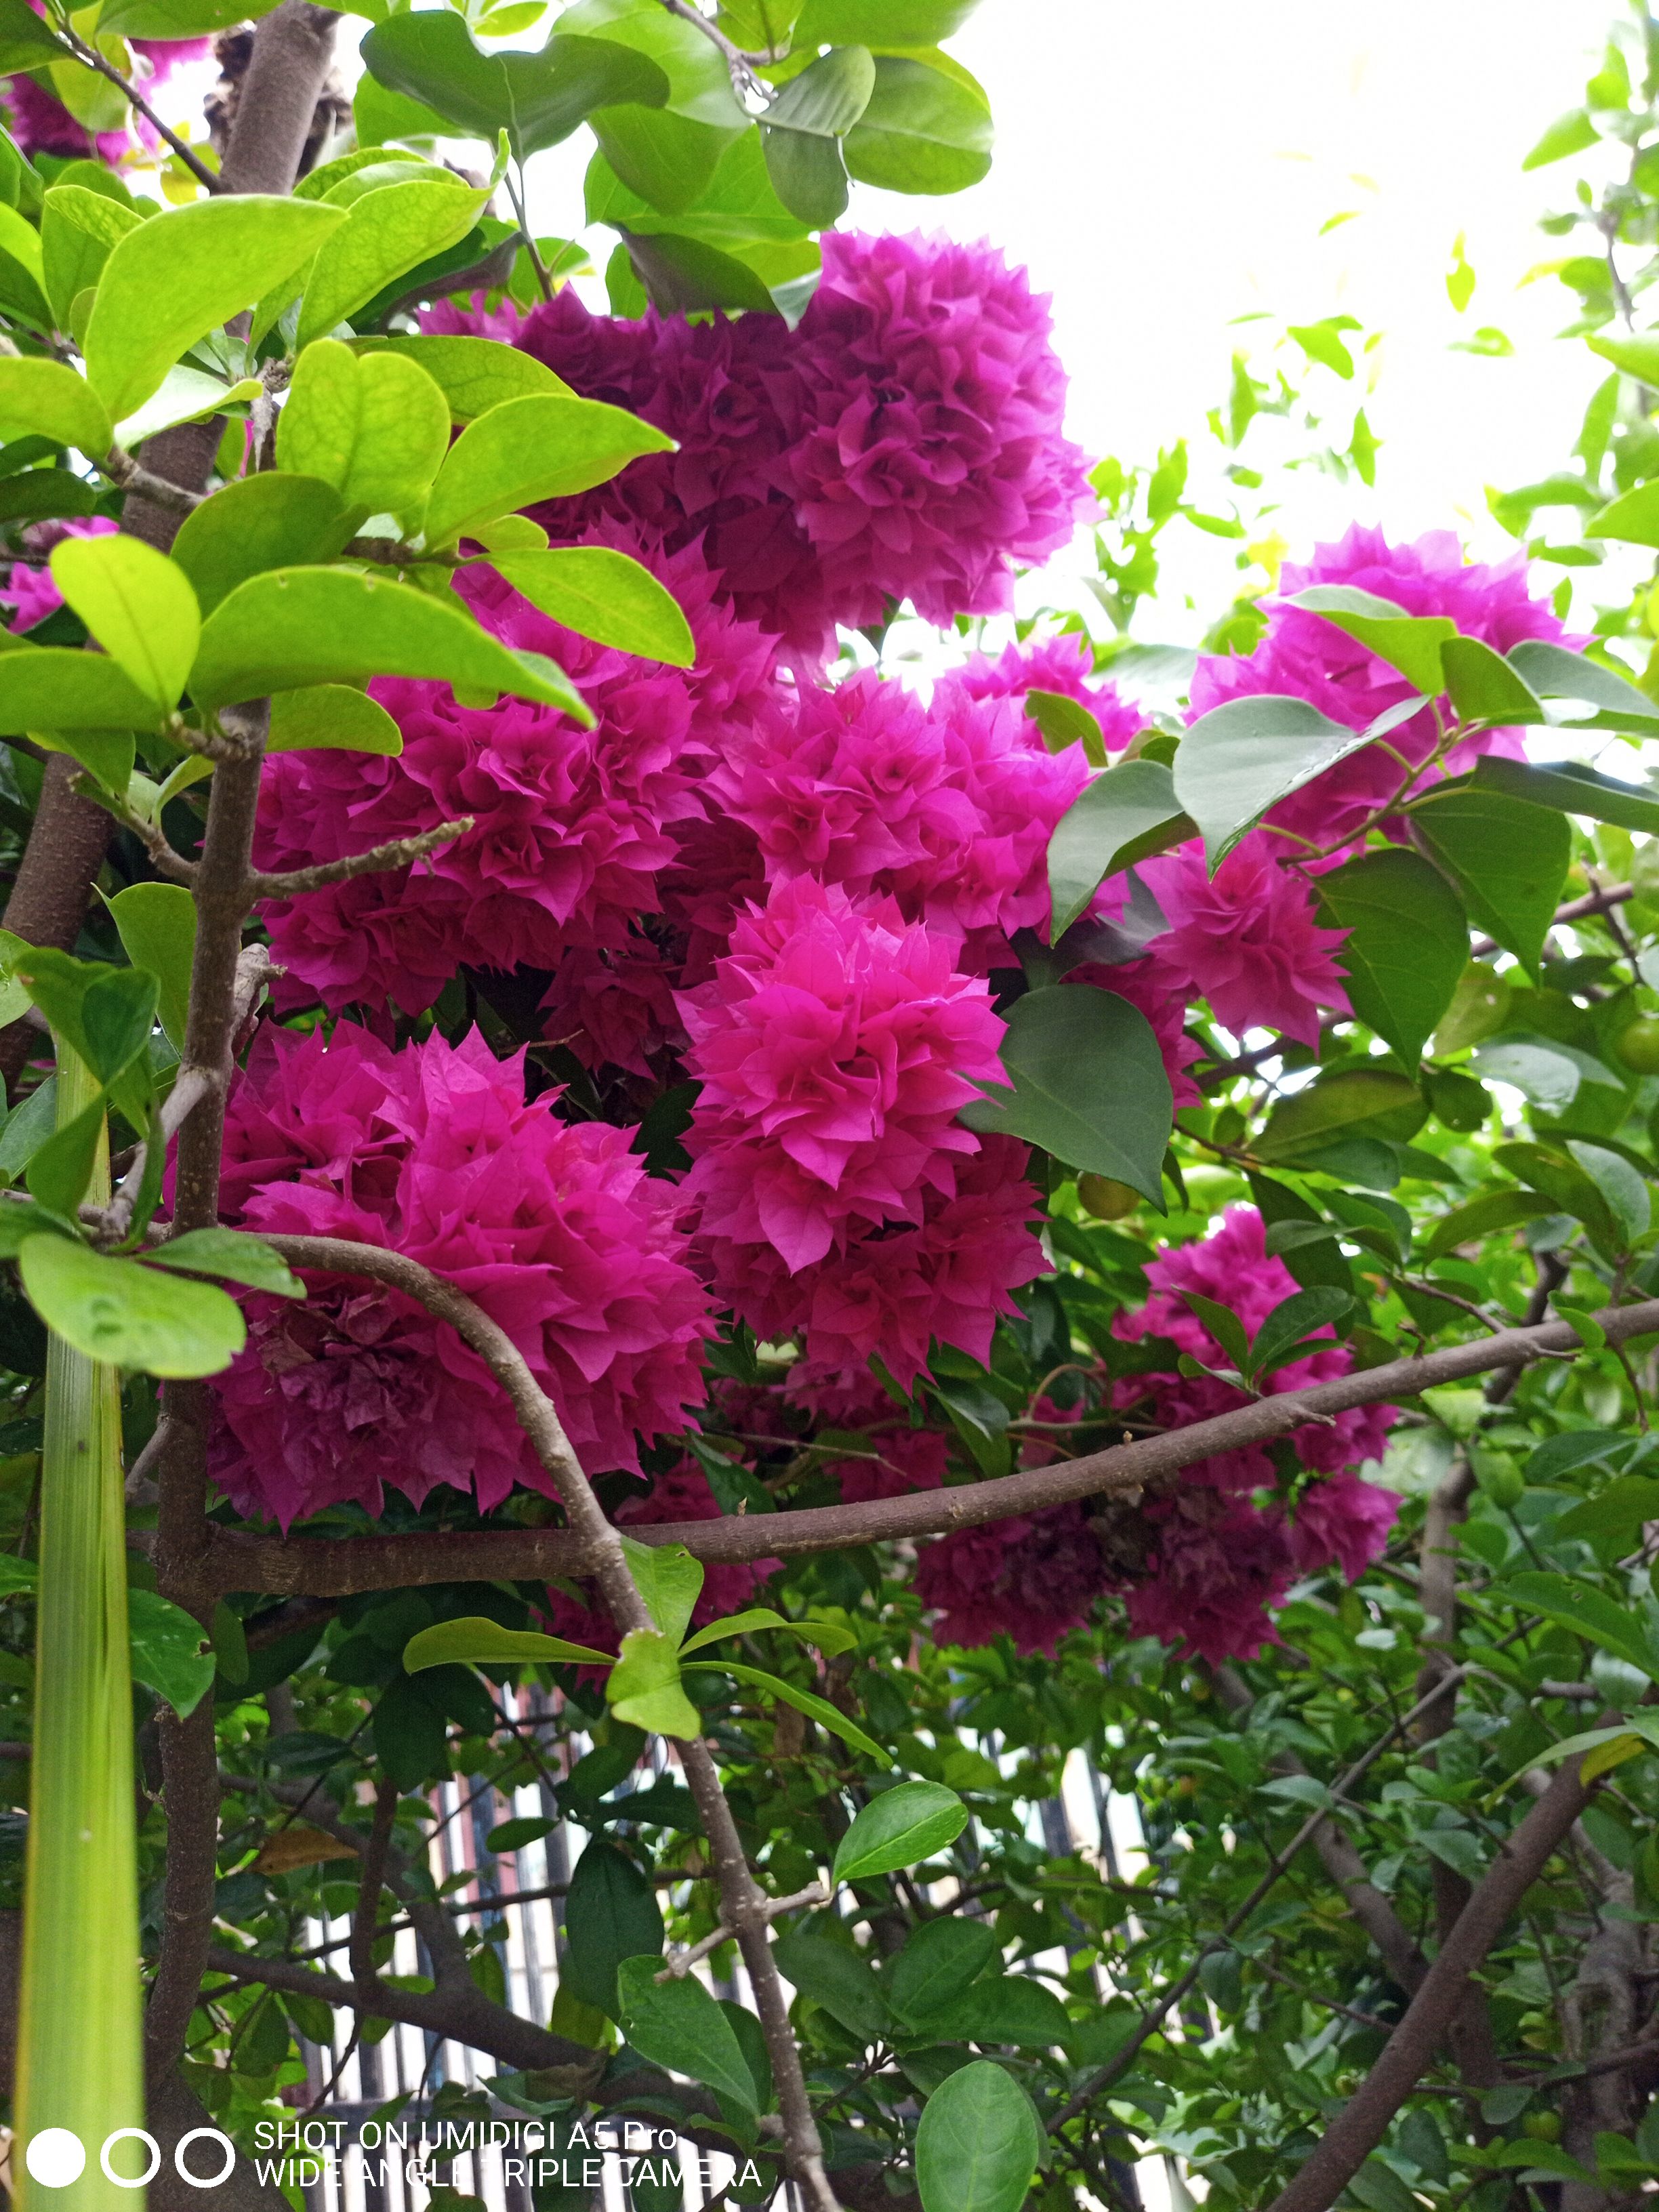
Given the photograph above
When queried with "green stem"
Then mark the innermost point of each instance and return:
(80, 2031)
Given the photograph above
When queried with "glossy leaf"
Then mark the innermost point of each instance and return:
(1483, 1217)
(1508, 857)
(921, 131)
(1569, 1189)
(183, 274)
(940, 1962)
(386, 234)
(271, 520)
(1087, 1083)
(1411, 643)
(1282, 1336)
(177, 19)
(815, 1708)
(78, 230)
(644, 1687)
(474, 374)
(1571, 787)
(171, 1652)
(156, 924)
(1243, 758)
(1581, 1607)
(294, 628)
(184, 395)
(881, 22)
(676, 2023)
(535, 448)
(1007, 2008)
(48, 399)
(1406, 943)
(1124, 816)
(900, 1828)
(232, 1255)
(978, 2144)
(331, 717)
(474, 1641)
(129, 1315)
(833, 1976)
(138, 605)
(536, 98)
(1352, 1102)
(27, 42)
(603, 594)
(668, 1578)
(1484, 688)
(823, 1635)
(53, 688)
(373, 426)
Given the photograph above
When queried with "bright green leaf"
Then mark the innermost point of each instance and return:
(331, 716)
(644, 1687)
(474, 374)
(1356, 1102)
(78, 229)
(668, 1578)
(58, 688)
(171, 1653)
(535, 448)
(386, 234)
(48, 399)
(1411, 643)
(374, 426)
(921, 131)
(803, 1701)
(1484, 688)
(1571, 787)
(156, 924)
(137, 603)
(824, 1634)
(130, 1315)
(603, 594)
(231, 1254)
(900, 1828)
(271, 520)
(477, 1642)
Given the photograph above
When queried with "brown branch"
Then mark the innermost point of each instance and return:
(91, 58)
(130, 475)
(296, 1566)
(400, 854)
(1355, 2132)
(190, 1770)
(360, 1951)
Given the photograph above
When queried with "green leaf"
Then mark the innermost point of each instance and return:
(78, 229)
(1620, 1509)
(808, 174)
(1357, 1102)
(1632, 519)
(1572, 788)
(183, 274)
(474, 1641)
(410, 1735)
(603, 594)
(799, 130)
(536, 99)
(1571, 133)
(1589, 1612)
(376, 428)
(1223, 1324)
(1411, 643)
(1636, 352)
(688, 276)
(1508, 857)
(184, 395)
(1283, 1335)
(386, 234)
(1555, 673)
(940, 1962)
(824, 1636)
(881, 22)
(678, 2024)
(670, 1580)
(1240, 759)
(331, 717)
(1124, 816)
(60, 1170)
(900, 1828)
(52, 687)
(838, 1979)
(48, 399)
(474, 374)
(256, 523)
(1479, 1007)
(176, 19)
(231, 1254)
(978, 2144)
(139, 606)
(513, 1835)
(921, 131)
(803, 1701)
(1007, 2008)
(22, 272)
(610, 1915)
(1065, 722)
(1569, 1188)
(668, 157)
(156, 924)
(1622, 1185)
(1484, 688)
(1484, 1216)
(536, 448)
(1406, 946)
(117, 1013)
(26, 42)
(127, 1315)
(290, 629)
(171, 1653)
(1088, 1084)
(644, 1687)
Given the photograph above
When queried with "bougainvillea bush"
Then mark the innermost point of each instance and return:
(603, 1184)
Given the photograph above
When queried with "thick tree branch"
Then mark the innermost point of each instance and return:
(131, 476)
(297, 1566)
(1351, 2137)
(189, 1772)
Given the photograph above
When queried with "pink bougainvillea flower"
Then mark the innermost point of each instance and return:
(41, 123)
(903, 443)
(32, 591)
(1033, 1577)
(1063, 664)
(552, 1228)
(1247, 939)
(571, 827)
(1309, 658)
(835, 1045)
(949, 804)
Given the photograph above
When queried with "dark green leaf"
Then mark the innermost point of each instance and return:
(1572, 788)
(1122, 817)
(678, 2024)
(1006, 2009)
(921, 131)
(1555, 673)
(1483, 1217)
(611, 1914)
(1406, 946)
(1569, 1190)
(1282, 1336)
(1242, 758)
(26, 42)
(899, 1828)
(171, 1654)
(1589, 1612)
(232, 1255)
(1358, 1102)
(410, 1735)
(978, 2144)
(1088, 1084)
(537, 99)
(938, 1963)
(1508, 857)
(837, 1978)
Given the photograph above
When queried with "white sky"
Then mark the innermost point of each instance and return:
(1164, 169)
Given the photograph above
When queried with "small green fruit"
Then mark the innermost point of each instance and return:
(1106, 1199)
(1639, 1047)
(1499, 1477)
(1542, 2127)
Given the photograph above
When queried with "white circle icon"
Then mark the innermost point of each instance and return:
(205, 2135)
(130, 2134)
(55, 2157)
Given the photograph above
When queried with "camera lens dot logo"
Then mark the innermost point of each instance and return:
(55, 2157)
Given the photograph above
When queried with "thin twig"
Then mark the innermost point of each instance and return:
(94, 60)
(683, 1961)
(401, 852)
